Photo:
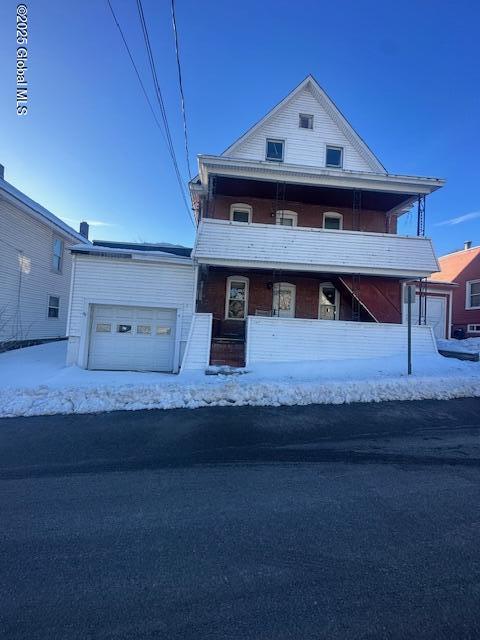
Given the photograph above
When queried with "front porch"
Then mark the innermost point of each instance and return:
(231, 295)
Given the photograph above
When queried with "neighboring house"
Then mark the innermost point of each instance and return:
(296, 256)
(35, 267)
(463, 268)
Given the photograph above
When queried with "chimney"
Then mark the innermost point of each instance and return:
(84, 229)
(2, 171)
(467, 245)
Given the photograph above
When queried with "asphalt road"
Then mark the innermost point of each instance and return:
(336, 522)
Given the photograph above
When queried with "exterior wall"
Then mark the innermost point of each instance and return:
(27, 276)
(303, 146)
(290, 340)
(320, 250)
(197, 351)
(309, 215)
(98, 280)
(307, 294)
(460, 267)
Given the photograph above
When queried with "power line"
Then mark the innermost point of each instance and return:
(166, 135)
(177, 53)
(158, 91)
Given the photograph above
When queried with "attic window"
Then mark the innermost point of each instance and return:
(334, 157)
(305, 121)
(275, 150)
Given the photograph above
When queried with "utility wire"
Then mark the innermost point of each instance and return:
(166, 135)
(161, 103)
(177, 53)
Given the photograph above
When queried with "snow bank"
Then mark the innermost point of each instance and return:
(468, 345)
(34, 381)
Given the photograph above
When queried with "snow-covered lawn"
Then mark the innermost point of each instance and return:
(35, 381)
(469, 345)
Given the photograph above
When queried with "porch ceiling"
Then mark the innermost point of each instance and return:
(310, 194)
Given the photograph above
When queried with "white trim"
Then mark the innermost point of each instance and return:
(333, 214)
(337, 299)
(470, 330)
(244, 208)
(468, 294)
(231, 279)
(301, 174)
(285, 214)
(342, 154)
(276, 298)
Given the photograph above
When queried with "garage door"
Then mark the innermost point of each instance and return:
(436, 314)
(132, 338)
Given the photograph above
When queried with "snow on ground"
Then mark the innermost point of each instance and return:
(468, 345)
(35, 381)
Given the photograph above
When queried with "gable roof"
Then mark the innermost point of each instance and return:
(331, 109)
(39, 212)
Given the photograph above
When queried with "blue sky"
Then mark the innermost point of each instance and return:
(405, 74)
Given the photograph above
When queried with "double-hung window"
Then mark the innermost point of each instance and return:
(473, 294)
(53, 306)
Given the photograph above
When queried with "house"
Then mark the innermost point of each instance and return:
(35, 267)
(463, 268)
(296, 257)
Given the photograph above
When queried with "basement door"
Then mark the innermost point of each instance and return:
(125, 338)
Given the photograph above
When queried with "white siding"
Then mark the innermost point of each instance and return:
(197, 351)
(27, 278)
(291, 339)
(127, 282)
(265, 245)
(303, 146)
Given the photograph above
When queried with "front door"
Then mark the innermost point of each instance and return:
(284, 299)
(328, 302)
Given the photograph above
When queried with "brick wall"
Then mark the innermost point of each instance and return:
(309, 215)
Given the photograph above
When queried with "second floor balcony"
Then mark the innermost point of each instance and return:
(267, 246)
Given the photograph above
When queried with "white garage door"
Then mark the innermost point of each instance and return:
(436, 314)
(132, 338)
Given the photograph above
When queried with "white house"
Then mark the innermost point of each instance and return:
(35, 268)
(296, 256)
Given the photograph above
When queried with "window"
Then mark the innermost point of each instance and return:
(473, 294)
(275, 150)
(164, 331)
(305, 121)
(334, 157)
(473, 328)
(124, 328)
(286, 218)
(241, 212)
(144, 329)
(53, 306)
(236, 303)
(332, 220)
(103, 327)
(57, 257)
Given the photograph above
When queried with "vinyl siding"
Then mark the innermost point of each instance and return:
(290, 339)
(268, 246)
(303, 146)
(27, 278)
(130, 282)
(197, 351)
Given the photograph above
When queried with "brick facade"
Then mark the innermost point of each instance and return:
(309, 215)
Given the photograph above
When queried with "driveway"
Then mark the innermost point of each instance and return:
(357, 521)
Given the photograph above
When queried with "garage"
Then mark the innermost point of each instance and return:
(128, 338)
(435, 304)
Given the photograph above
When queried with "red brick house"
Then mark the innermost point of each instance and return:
(297, 220)
(463, 268)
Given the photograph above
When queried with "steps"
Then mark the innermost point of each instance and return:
(225, 351)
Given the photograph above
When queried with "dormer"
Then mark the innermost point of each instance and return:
(306, 129)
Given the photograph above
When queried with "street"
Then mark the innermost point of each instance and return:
(308, 522)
